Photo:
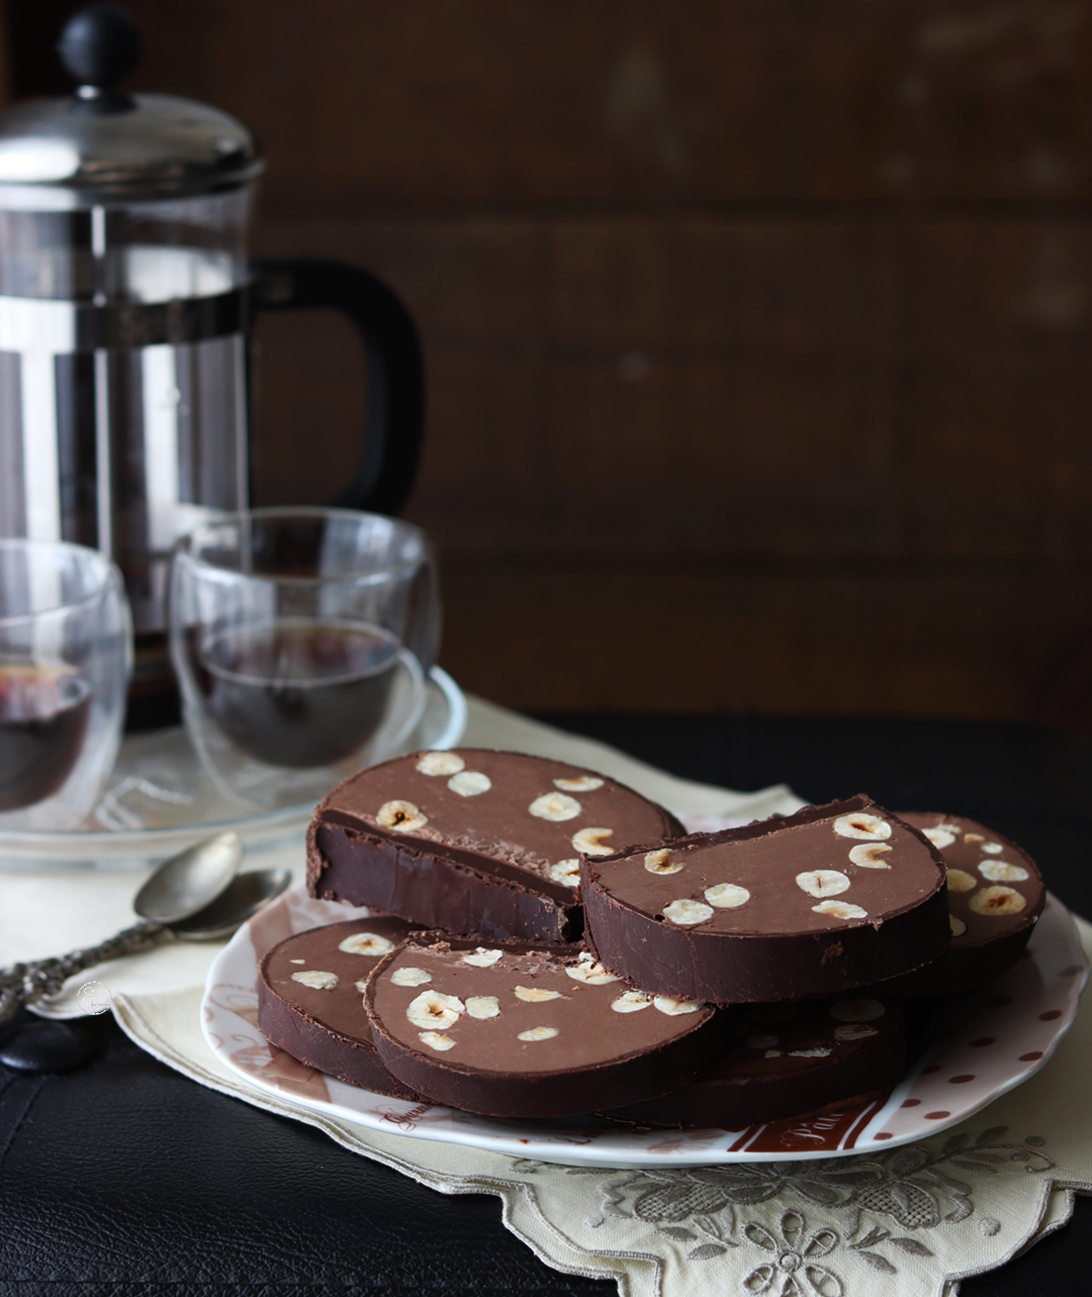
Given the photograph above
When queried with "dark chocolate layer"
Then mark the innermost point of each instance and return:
(829, 899)
(473, 841)
(786, 1060)
(322, 1022)
(361, 869)
(995, 897)
(520, 1029)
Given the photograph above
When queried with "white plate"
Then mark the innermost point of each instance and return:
(991, 1042)
(160, 799)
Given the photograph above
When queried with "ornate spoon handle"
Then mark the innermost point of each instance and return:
(23, 984)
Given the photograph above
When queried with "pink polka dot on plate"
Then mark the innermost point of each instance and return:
(911, 1103)
(961, 1080)
(1050, 1015)
(936, 1116)
(1032, 1057)
(883, 1134)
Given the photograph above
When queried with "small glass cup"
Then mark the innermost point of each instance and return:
(66, 653)
(302, 639)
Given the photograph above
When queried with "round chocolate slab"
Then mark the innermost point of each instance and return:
(995, 897)
(829, 899)
(788, 1060)
(519, 1029)
(474, 841)
(311, 999)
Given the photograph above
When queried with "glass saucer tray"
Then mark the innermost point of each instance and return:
(160, 799)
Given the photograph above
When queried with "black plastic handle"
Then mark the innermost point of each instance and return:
(99, 46)
(396, 383)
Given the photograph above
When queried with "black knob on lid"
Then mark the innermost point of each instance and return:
(100, 46)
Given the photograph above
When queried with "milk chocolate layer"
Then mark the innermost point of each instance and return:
(829, 899)
(787, 1060)
(995, 897)
(471, 855)
(521, 1029)
(322, 1022)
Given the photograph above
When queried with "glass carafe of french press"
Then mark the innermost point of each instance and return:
(126, 296)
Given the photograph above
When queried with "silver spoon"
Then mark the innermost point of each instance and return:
(195, 895)
(189, 881)
(243, 897)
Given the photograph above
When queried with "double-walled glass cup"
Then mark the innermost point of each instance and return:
(302, 639)
(66, 653)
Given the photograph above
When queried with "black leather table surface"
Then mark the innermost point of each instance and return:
(125, 1177)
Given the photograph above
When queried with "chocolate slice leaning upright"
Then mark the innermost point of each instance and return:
(530, 1029)
(829, 899)
(474, 841)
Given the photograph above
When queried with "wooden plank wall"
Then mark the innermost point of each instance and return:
(757, 332)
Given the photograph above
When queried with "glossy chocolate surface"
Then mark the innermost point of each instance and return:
(517, 1029)
(805, 906)
(311, 999)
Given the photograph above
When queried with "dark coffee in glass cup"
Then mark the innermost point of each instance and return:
(43, 720)
(299, 693)
(65, 658)
(302, 639)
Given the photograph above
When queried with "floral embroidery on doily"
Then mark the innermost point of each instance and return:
(794, 1258)
(876, 1197)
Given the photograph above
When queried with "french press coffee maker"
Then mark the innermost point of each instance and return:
(126, 301)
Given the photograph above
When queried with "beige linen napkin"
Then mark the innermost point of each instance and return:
(915, 1219)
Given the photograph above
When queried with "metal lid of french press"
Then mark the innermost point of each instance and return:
(102, 144)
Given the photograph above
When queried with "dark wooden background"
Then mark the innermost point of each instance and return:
(757, 333)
